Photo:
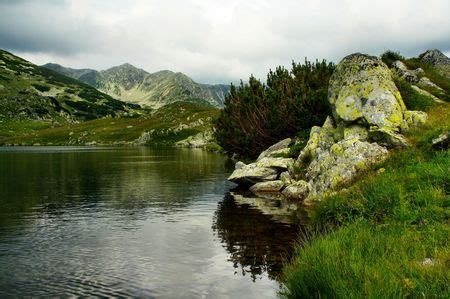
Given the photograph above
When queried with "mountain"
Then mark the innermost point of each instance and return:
(438, 60)
(131, 84)
(32, 92)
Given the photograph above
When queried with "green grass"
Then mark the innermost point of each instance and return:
(111, 130)
(374, 237)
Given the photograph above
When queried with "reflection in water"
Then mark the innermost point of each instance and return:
(251, 231)
(132, 222)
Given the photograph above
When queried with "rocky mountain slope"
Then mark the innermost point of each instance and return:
(31, 92)
(128, 83)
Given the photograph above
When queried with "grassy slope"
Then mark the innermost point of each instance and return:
(380, 231)
(29, 92)
(112, 130)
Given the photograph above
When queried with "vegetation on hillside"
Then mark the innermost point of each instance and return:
(30, 92)
(387, 235)
(166, 125)
(256, 115)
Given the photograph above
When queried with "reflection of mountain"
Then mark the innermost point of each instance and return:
(256, 242)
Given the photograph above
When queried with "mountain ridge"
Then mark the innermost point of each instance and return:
(129, 83)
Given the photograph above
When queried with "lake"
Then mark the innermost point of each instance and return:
(92, 221)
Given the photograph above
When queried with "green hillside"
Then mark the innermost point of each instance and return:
(30, 92)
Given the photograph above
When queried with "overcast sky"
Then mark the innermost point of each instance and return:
(216, 41)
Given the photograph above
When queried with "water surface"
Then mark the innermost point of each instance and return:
(132, 222)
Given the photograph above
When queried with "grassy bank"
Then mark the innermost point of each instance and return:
(387, 236)
(167, 125)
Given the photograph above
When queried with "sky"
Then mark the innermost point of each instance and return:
(216, 41)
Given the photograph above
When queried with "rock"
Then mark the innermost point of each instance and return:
(285, 177)
(282, 145)
(252, 174)
(403, 72)
(387, 137)
(356, 131)
(201, 139)
(429, 262)
(239, 165)
(340, 165)
(277, 163)
(425, 82)
(441, 142)
(298, 190)
(320, 139)
(414, 119)
(270, 186)
(362, 90)
(426, 93)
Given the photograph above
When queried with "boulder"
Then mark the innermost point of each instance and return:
(441, 142)
(387, 137)
(281, 164)
(270, 186)
(252, 174)
(403, 72)
(266, 169)
(413, 119)
(341, 164)
(426, 93)
(320, 138)
(425, 82)
(279, 147)
(298, 190)
(356, 131)
(362, 90)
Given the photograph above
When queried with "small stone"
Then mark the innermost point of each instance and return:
(441, 142)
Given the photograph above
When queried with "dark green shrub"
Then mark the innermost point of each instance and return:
(389, 57)
(41, 88)
(257, 115)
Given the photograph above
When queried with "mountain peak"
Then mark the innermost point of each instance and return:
(435, 57)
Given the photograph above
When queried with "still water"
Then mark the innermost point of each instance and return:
(132, 222)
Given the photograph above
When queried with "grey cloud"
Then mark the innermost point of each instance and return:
(218, 41)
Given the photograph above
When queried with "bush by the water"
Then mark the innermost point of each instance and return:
(256, 115)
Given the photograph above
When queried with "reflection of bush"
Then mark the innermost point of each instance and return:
(256, 243)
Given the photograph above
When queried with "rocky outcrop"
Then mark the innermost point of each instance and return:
(426, 93)
(199, 140)
(369, 117)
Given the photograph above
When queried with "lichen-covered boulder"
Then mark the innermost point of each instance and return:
(362, 90)
(426, 82)
(413, 119)
(426, 93)
(340, 165)
(279, 147)
(270, 186)
(298, 190)
(387, 137)
(320, 139)
(281, 164)
(356, 131)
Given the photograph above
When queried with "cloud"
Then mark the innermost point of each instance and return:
(217, 41)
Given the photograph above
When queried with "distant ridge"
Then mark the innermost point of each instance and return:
(131, 84)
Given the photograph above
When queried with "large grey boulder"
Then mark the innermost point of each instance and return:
(278, 148)
(339, 166)
(362, 90)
